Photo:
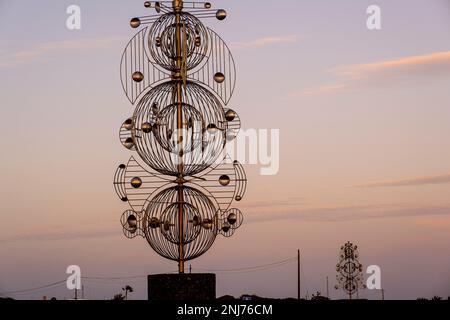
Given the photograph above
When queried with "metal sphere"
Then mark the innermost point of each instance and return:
(132, 221)
(128, 124)
(128, 143)
(219, 77)
(207, 5)
(146, 127)
(147, 4)
(238, 198)
(136, 182)
(224, 180)
(221, 14)
(154, 223)
(230, 115)
(226, 227)
(212, 128)
(232, 218)
(207, 224)
(135, 22)
(137, 76)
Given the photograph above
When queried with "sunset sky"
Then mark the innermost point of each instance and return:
(364, 120)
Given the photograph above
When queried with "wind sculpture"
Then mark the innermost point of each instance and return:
(349, 270)
(179, 75)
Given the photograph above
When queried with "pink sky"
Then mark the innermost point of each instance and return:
(364, 149)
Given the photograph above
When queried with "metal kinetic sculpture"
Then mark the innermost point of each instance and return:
(349, 270)
(180, 76)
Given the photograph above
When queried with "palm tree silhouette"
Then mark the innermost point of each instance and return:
(127, 289)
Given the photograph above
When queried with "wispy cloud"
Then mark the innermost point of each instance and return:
(347, 213)
(416, 181)
(261, 213)
(13, 59)
(394, 71)
(265, 41)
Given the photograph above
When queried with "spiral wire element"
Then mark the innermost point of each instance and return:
(180, 76)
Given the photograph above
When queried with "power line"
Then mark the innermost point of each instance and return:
(253, 268)
(35, 289)
(266, 266)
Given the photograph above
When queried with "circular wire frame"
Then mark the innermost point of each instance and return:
(193, 38)
(162, 229)
(196, 145)
(131, 223)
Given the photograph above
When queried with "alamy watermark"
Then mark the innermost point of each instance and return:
(73, 21)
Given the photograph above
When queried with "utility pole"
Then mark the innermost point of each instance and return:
(298, 274)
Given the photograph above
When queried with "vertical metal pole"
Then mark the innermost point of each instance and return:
(382, 294)
(177, 7)
(328, 290)
(298, 274)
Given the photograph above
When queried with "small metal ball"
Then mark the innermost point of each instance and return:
(136, 182)
(132, 221)
(147, 4)
(122, 166)
(135, 22)
(128, 143)
(157, 7)
(158, 41)
(238, 198)
(219, 77)
(212, 128)
(154, 223)
(207, 224)
(207, 5)
(198, 41)
(226, 227)
(232, 218)
(224, 180)
(196, 221)
(138, 76)
(128, 124)
(230, 115)
(124, 199)
(221, 14)
(146, 127)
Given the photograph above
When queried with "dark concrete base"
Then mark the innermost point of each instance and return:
(187, 286)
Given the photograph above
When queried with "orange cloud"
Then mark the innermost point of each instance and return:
(9, 60)
(384, 72)
(441, 222)
(416, 181)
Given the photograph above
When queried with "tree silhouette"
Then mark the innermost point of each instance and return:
(119, 296)
(127, 289)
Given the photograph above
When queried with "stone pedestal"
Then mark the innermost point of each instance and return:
(187, 286)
